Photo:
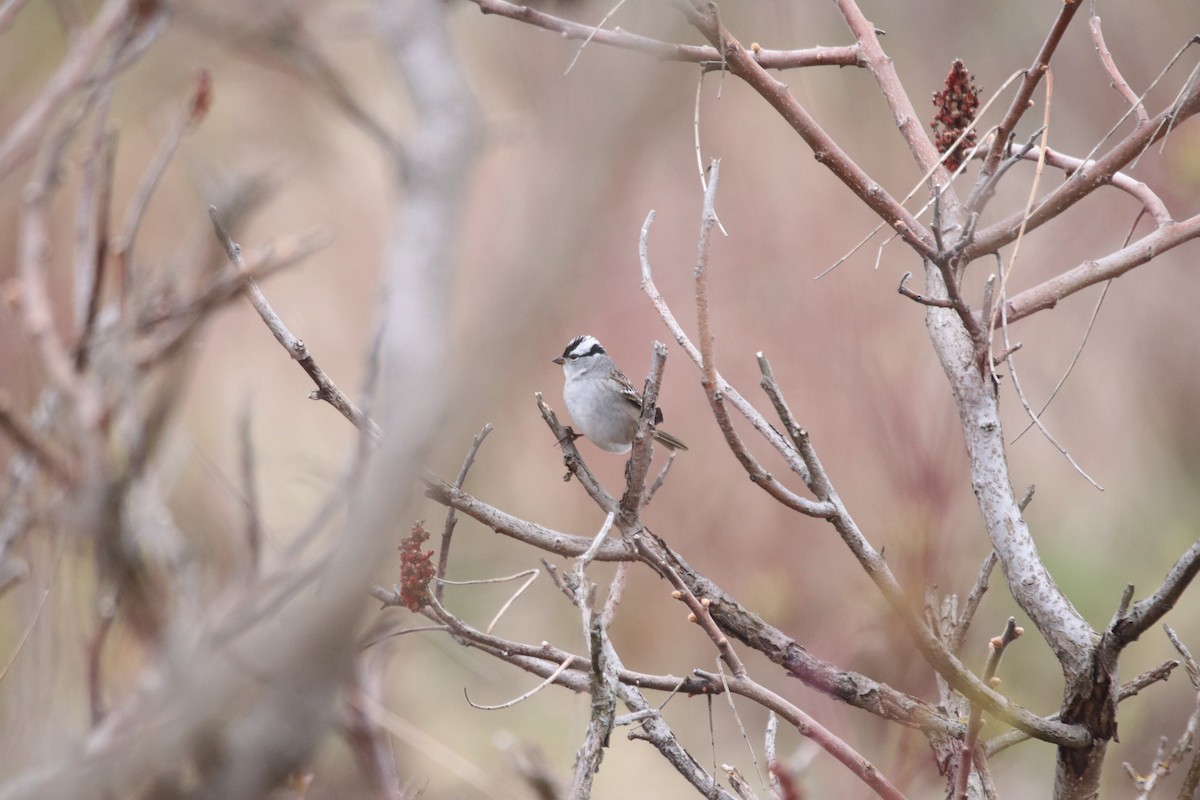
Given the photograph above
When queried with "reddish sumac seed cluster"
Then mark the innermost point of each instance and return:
(956, 107)
(416, 569)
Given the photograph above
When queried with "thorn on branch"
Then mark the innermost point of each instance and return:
(1025, 501)
(920, 298)
(1003, 355)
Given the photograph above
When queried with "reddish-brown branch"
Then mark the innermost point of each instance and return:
(1033, 76)
(1110, 66)
(1083, 181)
(1047, 294)
(825, 149)
(911, 127)
(863, 769)
(1151, 202)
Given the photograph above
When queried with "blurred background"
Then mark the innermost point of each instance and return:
(572, 163)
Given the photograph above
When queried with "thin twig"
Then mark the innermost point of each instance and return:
(189, 117)
(509, 704)
(93, 208)
(1189, 661)
(727, 391)
(996, 648)
(1012, 369)
(326, 389)
(699, 611)
(954, 640)
(923, 300)
(23, 135)
(703, 356)
(738, 718)
(662, 476)
(696, 135)
(599, 27)
(638, 465)
(33, 618)
(1110, 66)
(1083, 343)
(848, 56)
(863, 769)
(1033, 75)
(451, 519)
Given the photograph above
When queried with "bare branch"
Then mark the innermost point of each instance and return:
(729, 394)
(1165, 762)
(827, 151)
(551, 678)
(326, 389)
(528, 532)
(718, 391)
(863, 769)
(1033, 75)
(1114, 74)
(1085, 181)
(451, 519)
(1128, 689)
(831, 507)
(638, 466)
(852, 688)
(923, 300)
(848, 56)
(22, 137)
(905, 116)
(1152, 204)
(188, 117)
(996, 648)
(1066, 283)
(1144, 613)
(954, 639)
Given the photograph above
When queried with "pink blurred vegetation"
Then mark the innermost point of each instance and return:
(264, 523)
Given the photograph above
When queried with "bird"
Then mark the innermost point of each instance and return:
(601, 400)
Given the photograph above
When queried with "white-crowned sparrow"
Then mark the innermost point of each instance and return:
(601, 401)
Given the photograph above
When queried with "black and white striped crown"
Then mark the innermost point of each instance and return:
(582, 346)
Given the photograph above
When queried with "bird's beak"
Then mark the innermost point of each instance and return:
(559, 360)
